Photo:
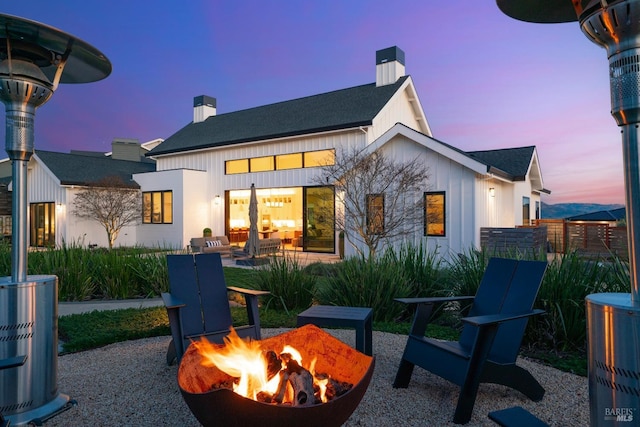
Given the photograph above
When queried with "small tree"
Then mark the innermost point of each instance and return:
(112, 203)
(380, 197)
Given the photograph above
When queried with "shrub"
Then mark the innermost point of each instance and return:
(367, 282)
(568, 280)
(85, 273)
(423, 270)
(466, 271)
(289, 286)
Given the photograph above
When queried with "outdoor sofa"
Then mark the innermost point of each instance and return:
(211, 244)
(270, 246)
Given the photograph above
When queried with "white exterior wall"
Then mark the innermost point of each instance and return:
(523, 189)
(458, 183)
(44, 187)
(215, 182)
(85, 231)
(402, 108)
(496, 210)
(191, 207)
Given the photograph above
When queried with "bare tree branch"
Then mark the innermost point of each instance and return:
(357, 176)
(110, 202)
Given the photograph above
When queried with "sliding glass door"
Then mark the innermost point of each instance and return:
(319, 219)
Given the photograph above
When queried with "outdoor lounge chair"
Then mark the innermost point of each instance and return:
(198, 304)
(488, 346)
(12, 362)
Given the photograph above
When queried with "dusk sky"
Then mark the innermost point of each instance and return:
(485, 80)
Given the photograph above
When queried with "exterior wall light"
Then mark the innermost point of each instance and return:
(492, 192)
(216, 200)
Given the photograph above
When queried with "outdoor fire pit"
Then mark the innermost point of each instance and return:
(205, 387)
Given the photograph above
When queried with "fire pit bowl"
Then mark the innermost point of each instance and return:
(225, 407)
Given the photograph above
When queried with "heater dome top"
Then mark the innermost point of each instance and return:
(50, 49)
(543, 11)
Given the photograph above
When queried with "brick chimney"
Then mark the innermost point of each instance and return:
(389, 65)
(203, 107)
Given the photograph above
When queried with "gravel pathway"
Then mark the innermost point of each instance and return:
(129, 384)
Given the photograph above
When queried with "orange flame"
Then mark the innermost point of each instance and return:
(244, 359)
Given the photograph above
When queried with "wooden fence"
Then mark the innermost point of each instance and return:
(510, 240)
(586, 238)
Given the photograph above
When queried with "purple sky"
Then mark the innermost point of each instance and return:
(485, 80)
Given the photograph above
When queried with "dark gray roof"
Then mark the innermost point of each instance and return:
(341, 109)
(512, 161)
(77, 169)
(611, 215)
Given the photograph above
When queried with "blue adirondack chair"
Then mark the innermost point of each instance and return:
(12, 362)
(198, 302)
(489, 343)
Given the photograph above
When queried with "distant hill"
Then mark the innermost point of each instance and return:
(564, 210)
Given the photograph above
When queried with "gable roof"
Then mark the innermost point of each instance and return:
(607, 215)
(340, 109)
(514, 161)
(510, 164)
(79, 169)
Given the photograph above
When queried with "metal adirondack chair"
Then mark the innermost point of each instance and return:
(198, 303)
(488, 346)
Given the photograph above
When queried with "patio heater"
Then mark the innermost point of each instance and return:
(34, 59)
(613, 319)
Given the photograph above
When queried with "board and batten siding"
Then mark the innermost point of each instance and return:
(458, 183)
(212, 162)
(402, 108)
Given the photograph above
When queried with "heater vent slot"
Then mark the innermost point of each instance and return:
(20, 122)
(624, 76)
(16, 406)
(617, 373)
(16, 326)
(20, 331)
(30, 92)
(617, 386)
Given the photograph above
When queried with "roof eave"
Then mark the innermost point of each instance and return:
(262, 138)
(492, 170)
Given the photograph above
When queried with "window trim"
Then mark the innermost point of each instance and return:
(526, 221)
(274, 162)
(372, 228)
(444, 213)
(162, 213)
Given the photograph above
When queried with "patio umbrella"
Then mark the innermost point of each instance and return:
(252, 244)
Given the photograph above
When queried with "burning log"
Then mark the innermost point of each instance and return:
(348, 373)
(301, 380)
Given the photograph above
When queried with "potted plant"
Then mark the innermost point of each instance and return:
(206, 232)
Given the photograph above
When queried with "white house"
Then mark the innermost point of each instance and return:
(54, 179)
(200, 176)
(204, 171)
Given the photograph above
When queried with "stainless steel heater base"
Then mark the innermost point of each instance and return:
(613, 328)
(29, 326)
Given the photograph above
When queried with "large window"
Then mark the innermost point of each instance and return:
(314, 159)
(236, 166)
(375, 213)
(261, 164)
(526, 211)
(289, 161)
(434, 214)
(157, 207)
